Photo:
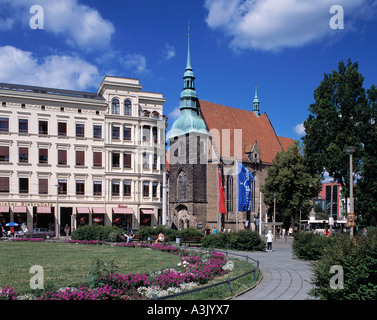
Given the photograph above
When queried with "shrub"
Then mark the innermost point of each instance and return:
(309, 245)
(97, 232)
(358, 258)
(242, 240)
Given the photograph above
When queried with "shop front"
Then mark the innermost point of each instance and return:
(122, 217)
(146, 217)
(44, 217)
(82, 216)
(99, 216)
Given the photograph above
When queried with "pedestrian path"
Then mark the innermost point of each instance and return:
(284, 278)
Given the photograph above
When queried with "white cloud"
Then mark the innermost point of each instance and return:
(78, 24)
(64, 72)
(169, 52)
(136, 63)
(300, 129)
(175, 113)
(276, 24)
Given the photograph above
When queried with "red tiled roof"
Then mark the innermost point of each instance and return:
(253, 129)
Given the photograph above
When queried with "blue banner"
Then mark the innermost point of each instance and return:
(245, 179)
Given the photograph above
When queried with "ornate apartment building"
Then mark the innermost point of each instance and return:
(76, 158)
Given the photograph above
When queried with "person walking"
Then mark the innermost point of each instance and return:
(66, 230)
(269, 238)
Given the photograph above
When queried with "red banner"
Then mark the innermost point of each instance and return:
(221, 195)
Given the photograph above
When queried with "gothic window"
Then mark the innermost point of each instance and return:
(181, 186)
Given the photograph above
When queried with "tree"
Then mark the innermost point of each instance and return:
(293, 185)
(344, 115)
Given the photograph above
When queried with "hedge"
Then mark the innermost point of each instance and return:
(97, 232)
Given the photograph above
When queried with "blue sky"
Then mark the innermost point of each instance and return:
(285, 46)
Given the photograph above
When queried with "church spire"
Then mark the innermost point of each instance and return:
(256, 102)
(188, 67)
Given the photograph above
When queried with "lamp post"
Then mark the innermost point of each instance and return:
(351, 215)
(275, 215)
(57, 218)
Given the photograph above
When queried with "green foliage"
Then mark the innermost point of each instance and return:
(97, 270)
(344, 115)
(294, 186)
(358, 258)
(309, 246)
(172, 234)
(97, 232)
(243, 240)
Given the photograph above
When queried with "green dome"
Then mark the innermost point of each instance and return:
(187, 122)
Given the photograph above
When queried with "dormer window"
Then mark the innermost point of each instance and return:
(254, 154)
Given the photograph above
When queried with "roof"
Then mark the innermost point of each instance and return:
(254, 129)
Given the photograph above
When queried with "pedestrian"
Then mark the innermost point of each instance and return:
(365, 232)
(214, 231)
(290, 232)
(207, 231)
(269, 238)
(66, 230)
(326, 232)
(283, 233)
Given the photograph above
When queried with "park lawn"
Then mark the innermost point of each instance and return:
(66, 264)
(69, 264)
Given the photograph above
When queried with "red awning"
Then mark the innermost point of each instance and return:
(83, 210)
(100, 210)
(4, 209)
(43, 209)
(123, 210)
(147, 211)
(19, 209)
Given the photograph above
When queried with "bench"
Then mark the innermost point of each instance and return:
(137, 238)
(192, 240)
(154, 238)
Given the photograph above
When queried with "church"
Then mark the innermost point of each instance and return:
(207, 141)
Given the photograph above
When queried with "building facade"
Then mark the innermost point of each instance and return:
(207, 142)
(76, 158)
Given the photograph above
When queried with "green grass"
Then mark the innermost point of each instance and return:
(68, 265)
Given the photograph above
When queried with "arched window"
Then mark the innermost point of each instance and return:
(115, 106)
(146, 113)
(127, 108)
(181, 186)
(155, 115)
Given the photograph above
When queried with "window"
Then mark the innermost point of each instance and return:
(116, 160)
(80, 130)
(4, 104)
(154, 134)
(23, 125)
(146, 113)
(43, 186)
(23, 155)
(155, 115)
(127, 108)
(80, 187)
(116, 133)
(80, 158)
(145, 161)
(97, 188)
(97, 131)
(181, 186)
(145, 189)
(4, 125)
(115, 106)
(62, 157)
(154, 164)
(62, 129)
(43, 127)
(4, 154)
(43, 156)
(97, 159)
(127, 188)
(154, 189)
(62, 186)
(43, 107)
(4, 184)
(23, 185)
(146, 133)
(127, 133)
(127, 160)
(115, 188)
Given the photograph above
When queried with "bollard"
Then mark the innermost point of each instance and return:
(228, 281)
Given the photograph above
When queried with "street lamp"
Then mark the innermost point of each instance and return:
(275, 214)
(57, 218)
(351, 216)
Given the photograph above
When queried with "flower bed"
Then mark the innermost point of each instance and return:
(195, 268)
(28, 239)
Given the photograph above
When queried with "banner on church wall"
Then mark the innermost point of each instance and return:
(221, 195)
(245, 179)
